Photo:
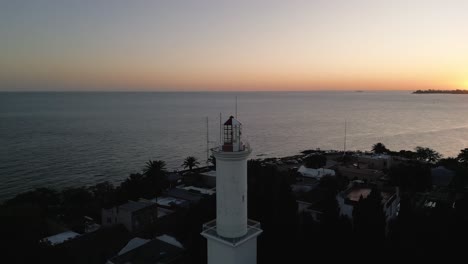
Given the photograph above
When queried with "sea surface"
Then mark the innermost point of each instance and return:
(72, 139)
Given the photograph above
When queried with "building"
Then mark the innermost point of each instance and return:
(442, 177)
(59, 238)
(348, 198)
(193, 189)
(313, 209)
(170, 202)
(162, 250)
(93, 247)
(209, 178)
(135, 216)
(315, 173)
(232, 238)
(360, 173)
(190, 196)
(376, 161)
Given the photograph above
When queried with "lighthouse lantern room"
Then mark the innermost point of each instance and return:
(232, 135)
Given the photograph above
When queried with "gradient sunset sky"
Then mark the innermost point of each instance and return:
(233, 45)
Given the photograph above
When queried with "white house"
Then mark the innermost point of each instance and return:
(315, 173)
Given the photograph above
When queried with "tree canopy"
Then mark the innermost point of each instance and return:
(411, 176)
(379, 148)
(369, 221)
(155, 177)
(463, 156)
(190, 162)
(427, 154)
(315, 161)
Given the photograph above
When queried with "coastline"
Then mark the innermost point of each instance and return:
(458, 91)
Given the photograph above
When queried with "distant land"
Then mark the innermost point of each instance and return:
(430, 91)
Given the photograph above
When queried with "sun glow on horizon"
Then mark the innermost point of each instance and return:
(204, 45)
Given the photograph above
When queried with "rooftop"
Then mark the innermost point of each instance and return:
(232, 121)
(211, 173)
(132, 244)
(163, 212)
(315, 173)
(133, 206)
(354, 193)
(376, 156)
(184, 195)
(170, 240)
(154, 251)
(199, 190)
(442, 176)
(60, 238)
(169, 201)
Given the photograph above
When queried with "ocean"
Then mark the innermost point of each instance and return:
(61, 139)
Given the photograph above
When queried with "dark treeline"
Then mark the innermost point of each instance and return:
(431, 91)
(288, 236)
(31, 216)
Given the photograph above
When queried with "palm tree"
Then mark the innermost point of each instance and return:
(379, 148)
(190, 162)
(154, 166)
(156, 176)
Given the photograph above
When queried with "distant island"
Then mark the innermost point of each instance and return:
(430, 91)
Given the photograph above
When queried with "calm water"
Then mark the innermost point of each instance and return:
(72, 139)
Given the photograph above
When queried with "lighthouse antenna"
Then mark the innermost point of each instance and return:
(207, 142)
(220, 130)
(344, 147)
(236, 107)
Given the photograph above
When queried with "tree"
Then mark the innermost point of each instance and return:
(408, 154)
(190, 162)
(315, 161)
(412, 176)
(427, 154)
(154, 166)
(156, 177)
(369, 221)
(272, 202)
(76, 203)
(463, 156)
(212, 160)
(133, 187)
(460, 169)
(379, 148)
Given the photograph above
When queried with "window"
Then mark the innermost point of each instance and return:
(228, 133)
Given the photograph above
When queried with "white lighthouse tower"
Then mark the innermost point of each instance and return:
(232, 238)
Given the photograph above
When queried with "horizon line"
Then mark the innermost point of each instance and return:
(205, 91)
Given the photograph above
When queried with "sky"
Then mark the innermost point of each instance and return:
(200, 45)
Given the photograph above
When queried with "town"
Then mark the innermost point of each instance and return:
(407, 201)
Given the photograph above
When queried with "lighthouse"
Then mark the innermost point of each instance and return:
(231, 237)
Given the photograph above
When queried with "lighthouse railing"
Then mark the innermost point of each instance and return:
(253, 228)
